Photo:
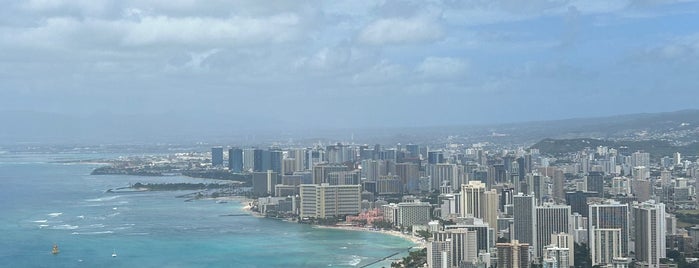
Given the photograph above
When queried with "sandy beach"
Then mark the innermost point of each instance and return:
(419, 242)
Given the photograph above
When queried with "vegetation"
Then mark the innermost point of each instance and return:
(582, 255)
(425, 234)
(686, 218)
(383, 225)
(414, 259)
(656, 148)
(680, 260)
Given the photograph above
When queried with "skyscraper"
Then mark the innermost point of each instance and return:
(513, 254)
(649, 223)
(235, 160)
(258, 162)
(217, 156)
(550, 219)
(324, 200)
(605, 245)
(443, 173)
(263, 183)
(479, 203)
(439, 254)
(524, 219)
(275, 161)
(595, 182)
(463, 243)
(610, 215)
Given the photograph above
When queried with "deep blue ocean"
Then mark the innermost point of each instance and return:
(44, 201)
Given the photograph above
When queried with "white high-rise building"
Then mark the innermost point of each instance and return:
(550, 219)
(441, 173)
(408, 214)
(324, 200)
(563, 242)
(439, 254)
(555, 257)
(649, 224)
(605, 245)
(610, 215)
(464, 244)
(479, 203)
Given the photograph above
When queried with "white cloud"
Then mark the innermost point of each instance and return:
(401, 31)
(234, 30)
(442, 67)
(62, 32)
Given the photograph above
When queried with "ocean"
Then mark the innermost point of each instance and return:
(44, 200)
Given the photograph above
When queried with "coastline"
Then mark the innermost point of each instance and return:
(417, 242)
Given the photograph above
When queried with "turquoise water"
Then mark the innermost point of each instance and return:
(43, 202)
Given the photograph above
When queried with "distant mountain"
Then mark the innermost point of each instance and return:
(677, 128)
(680, 126)
(656, 148)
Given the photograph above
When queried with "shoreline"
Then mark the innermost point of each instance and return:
(417, 241)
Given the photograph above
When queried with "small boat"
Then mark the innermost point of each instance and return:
(55, 250)
(114, 254)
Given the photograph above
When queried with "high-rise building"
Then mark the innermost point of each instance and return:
(640, 159)
(343, 178)
(649, 225)
(595, 182)
(324, 200)
(479, 203)
(485, 235)
(235, 160)
(435, 157)
(263, 183)
(578, 201)
(524, 218)
(217, 156)
(275, 161)
(413, 150)
(463, 245)
(412, 213)
(258, 160)
(373, 169)
(611, 215)
(443, 173)
(248, 160)
(677, 158)
(389, 184)
(604, 245)
(556, 257)
(408, 174)
(439, 254)
(321, 171)
(513, 255)
(564, 242)
(550, 219)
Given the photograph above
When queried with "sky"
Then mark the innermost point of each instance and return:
(349, 62)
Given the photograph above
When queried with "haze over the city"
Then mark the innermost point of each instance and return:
(306, 64)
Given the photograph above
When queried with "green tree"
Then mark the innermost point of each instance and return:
(582, 255)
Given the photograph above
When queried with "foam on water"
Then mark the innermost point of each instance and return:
(102, 199)
(92, 233)
(65, 227)
(55, 214)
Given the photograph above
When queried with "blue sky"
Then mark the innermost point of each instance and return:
(350, 63)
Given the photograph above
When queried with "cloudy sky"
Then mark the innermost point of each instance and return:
(360, 63)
